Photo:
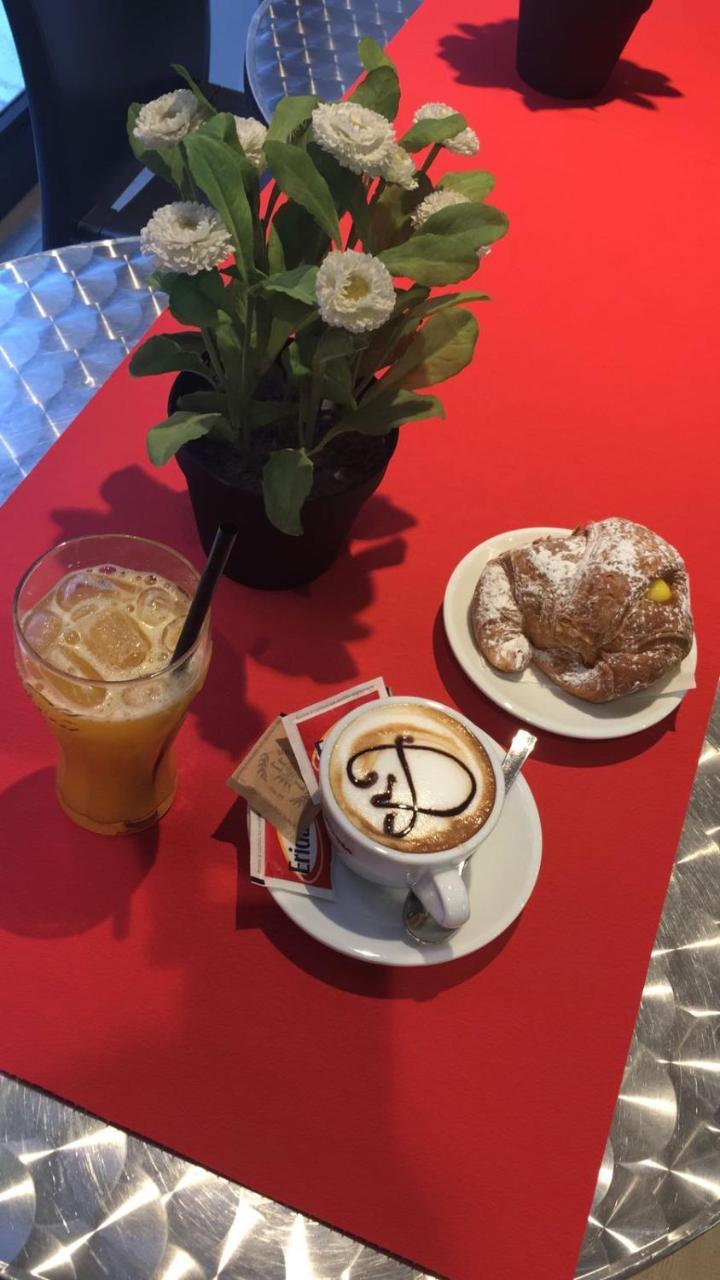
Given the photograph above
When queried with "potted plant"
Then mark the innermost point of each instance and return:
(569, 48)
(310, 323)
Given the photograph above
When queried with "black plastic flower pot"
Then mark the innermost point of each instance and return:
(568, 48)
(263, 556)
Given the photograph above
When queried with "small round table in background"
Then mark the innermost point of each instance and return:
(310, 46)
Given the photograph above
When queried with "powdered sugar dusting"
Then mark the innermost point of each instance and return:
(621, 551)
(498, 621)
(496, 598)
(579, 607)
(557, 565)
(574, 674)
(514, 652)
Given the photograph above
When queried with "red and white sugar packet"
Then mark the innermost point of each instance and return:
(305, 729)
(304, 866)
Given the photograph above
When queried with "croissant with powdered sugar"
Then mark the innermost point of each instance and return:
(603, 611)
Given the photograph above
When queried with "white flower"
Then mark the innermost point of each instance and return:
(358, 138)
(355, 291)
(399, 168)
(251, 136)
(167, 120)
(186, 236)
(464, 143)
(433, 203)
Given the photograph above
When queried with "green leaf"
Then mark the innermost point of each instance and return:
(372, 55)
(222, 128)
(298, 284)
(297, 177)
(404, 320)
(444, 249)
(334, 343)
(289, 115)
(231, 354)
(166, 164)
(390, 215)
(379, 90)
(287, 480)
(265, 412)
(346, 188)
(380, 352)
(439, 350)
(432, 259)
(390, 342)
(428, 132)
(431, 306)
(299, 235)
(476, 184)
(204, 402)
(163, 354)
(167, 437)
(387, 411)
(477, 224)
(287, 314)
(261, 319)
(189, 341)
(200, 300)
(332, 368)
(184, 74)
(407, 298)
(276, 255)
(336, 384)
(219, 171)
(298, 370)
(160, 280)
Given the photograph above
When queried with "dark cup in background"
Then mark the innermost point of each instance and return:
(568, 48)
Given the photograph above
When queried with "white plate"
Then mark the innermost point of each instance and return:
(540, 702)
(365, 920)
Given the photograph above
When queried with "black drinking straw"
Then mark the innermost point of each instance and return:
(196, 614)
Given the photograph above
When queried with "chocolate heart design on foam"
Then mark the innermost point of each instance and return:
(403, 746)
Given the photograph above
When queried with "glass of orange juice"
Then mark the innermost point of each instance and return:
(96, 621)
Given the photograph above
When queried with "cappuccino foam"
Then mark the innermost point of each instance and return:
(412, 778)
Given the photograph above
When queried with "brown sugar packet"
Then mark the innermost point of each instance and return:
(272, 784)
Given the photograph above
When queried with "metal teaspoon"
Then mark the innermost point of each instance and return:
(418, 922)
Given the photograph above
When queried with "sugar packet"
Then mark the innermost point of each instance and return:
(305, 729)
(272, 784)
(300, 866)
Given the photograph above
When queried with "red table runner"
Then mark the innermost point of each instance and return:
(455, 1116)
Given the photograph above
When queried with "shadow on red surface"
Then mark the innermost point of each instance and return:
(308, 631)
(484, 55)
(54, 889)
(255, 909)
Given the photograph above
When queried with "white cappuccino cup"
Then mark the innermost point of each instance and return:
(410, 789)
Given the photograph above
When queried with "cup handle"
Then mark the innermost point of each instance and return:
(444, 896)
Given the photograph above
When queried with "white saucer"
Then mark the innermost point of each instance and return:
(538, 701)
(365, 920)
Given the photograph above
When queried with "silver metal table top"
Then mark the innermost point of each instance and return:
(309, 46)
(80, 1199)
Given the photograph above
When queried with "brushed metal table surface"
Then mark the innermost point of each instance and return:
(81, 1199)
(309, 46)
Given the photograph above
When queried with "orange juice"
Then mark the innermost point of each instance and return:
(95, 657)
